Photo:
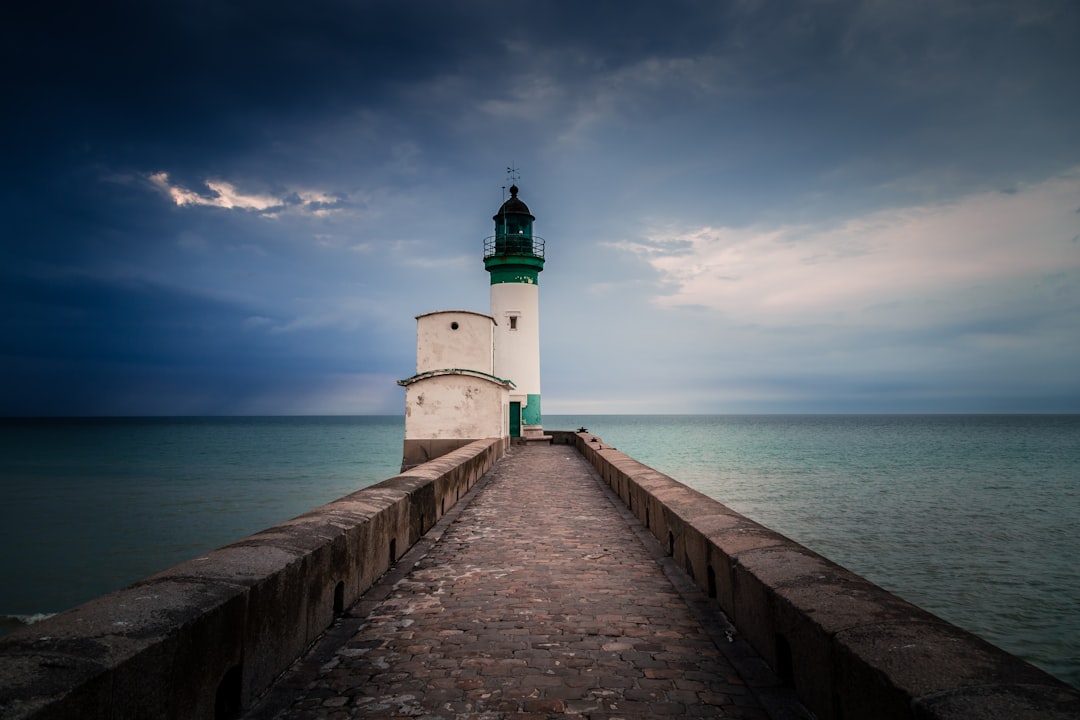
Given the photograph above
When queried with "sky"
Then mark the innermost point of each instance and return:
(238, 208)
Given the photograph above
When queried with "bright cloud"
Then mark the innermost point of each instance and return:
(225, 195)
(881, 264)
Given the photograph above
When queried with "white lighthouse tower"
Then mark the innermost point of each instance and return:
(514, 257)
(478, 376)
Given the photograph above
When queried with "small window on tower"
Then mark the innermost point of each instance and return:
(513, 322)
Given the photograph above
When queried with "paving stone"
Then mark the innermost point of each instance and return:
(538, 600)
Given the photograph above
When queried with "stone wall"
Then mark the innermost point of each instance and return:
(420, 451)
(207, 637)
(851, 649)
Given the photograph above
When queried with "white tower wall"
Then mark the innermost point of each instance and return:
(516, 310)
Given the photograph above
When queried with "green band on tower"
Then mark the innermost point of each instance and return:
(530, 414)
(513, 273)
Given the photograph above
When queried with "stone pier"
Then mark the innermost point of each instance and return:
(537, 596)
(560, 580)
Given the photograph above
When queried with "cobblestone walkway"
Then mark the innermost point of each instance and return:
(537, 601)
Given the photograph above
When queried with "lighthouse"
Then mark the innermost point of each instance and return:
(514, 258)
(478, 376)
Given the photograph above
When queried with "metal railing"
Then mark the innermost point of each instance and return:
(497, 245)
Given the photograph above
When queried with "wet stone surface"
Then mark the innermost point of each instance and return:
(537, 601)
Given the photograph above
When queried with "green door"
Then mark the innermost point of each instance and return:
(515, 419)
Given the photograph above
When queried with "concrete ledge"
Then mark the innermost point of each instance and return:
(205, 638)
(421, 451)
(851, 649)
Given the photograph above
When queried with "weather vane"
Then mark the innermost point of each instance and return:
(512, 174)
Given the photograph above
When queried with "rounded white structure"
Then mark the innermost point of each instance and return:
(454, 397)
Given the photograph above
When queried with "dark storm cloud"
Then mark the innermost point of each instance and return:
(84, 319)
(191, 86)
(169, 78)
(87, 345)
(70, 342)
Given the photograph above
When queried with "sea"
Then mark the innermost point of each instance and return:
(973, 517)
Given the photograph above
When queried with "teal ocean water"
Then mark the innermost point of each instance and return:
(974, 517)
(92, 505)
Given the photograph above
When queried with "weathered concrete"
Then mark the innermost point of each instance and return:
(417, 452)
(852, 649)
(204, 638)
(537, 601)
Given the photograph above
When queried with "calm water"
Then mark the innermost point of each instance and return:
(971, 517)
(93, 505)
